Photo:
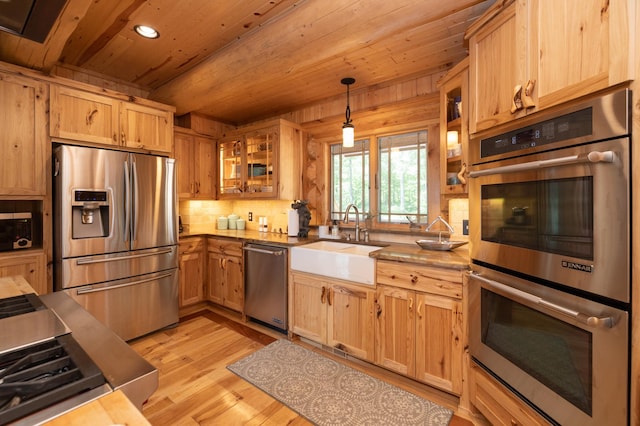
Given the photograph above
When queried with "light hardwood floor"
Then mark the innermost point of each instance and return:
(197, 389)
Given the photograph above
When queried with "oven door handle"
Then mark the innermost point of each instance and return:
(591, 157)
(591, 321)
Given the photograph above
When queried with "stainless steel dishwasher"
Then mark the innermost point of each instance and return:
(265, 285)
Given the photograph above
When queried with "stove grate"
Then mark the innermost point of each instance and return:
(41, 375)
(18, 305)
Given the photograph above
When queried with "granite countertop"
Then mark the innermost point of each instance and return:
(453, 259)
(408, 253)
(248, 236)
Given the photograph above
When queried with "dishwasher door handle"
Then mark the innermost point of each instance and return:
(258, 250)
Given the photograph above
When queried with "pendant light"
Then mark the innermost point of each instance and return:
(347, 128)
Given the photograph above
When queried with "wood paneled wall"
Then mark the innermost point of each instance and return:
(398, 106)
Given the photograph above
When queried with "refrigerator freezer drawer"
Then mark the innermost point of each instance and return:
(81, 271)
(132, 307)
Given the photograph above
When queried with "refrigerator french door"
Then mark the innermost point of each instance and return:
(115, 233)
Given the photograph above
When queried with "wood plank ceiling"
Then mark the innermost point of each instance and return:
(239, 61)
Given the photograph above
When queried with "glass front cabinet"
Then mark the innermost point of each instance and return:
(261, 162)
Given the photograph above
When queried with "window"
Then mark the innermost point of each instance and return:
(403, 177)
(399, 166)
(349, 178)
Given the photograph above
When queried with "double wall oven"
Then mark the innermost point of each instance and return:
(550, 288)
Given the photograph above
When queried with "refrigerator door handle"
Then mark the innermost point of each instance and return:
(127, 201)
(134, 235)
(115, 259)
(106, 288)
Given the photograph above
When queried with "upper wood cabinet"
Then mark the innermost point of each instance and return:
(196, 164)
(262, 161)
(90, 117)
(526, 55)
(455, 120)
(24, 136)
(145, 127)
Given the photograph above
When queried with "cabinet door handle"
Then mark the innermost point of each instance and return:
(90, 117)
(420, 310)
(329, 293)
(323, 294)
(411, 303)
(378, 310)
(461, 177)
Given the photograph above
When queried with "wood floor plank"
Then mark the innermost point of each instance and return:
(195, 387)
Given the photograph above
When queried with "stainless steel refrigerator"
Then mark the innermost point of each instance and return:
(116, 235)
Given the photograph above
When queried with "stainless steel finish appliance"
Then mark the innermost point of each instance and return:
(566, 355)
(115, 233)
(266, 284)
(550, 290)
(551, 199)
(54, 357)
(16, 231)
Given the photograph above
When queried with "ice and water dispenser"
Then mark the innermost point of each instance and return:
(91, 212)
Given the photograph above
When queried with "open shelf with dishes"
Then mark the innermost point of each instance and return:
(454, 132)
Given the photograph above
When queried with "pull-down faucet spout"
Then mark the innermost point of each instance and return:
(346, 219)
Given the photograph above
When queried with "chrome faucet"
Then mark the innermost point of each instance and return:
(346, 219)
(440, 219)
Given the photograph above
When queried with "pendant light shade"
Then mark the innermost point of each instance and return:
(347, 128)
(348, 135)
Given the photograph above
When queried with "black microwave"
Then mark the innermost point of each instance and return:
(16, 231)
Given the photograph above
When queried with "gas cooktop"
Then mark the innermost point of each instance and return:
(40, 362)
(43, 374)
(55, 356)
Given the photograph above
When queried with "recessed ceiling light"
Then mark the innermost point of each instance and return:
(146, 31)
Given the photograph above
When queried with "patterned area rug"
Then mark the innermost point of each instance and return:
(327, 392)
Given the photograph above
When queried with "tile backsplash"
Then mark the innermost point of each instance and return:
(458, 212)
(196, 213)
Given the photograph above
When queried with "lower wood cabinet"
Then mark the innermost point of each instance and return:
(225, 273)
(334, 313)
(497, 404)
(32, 267)
(191, 270)
(419, 329)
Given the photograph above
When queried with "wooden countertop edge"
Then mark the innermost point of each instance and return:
(111, 409)
(14, 286)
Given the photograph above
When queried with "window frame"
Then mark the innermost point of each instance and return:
(433, 177)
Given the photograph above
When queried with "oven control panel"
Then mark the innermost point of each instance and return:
(565, 127)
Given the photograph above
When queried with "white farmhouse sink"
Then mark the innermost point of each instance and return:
(346, 261)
